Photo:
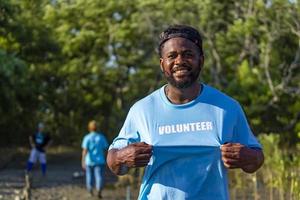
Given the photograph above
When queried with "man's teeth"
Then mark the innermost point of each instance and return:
(181, 71)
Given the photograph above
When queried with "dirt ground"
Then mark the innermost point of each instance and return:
(59, 183)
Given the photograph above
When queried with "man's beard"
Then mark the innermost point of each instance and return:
(187, 82)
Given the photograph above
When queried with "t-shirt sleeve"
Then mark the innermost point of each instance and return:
(242, 131)
(128, 134)
(84, 144)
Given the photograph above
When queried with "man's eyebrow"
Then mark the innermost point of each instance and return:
(174, 51)
(171, 52)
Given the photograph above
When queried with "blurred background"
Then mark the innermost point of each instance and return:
(65, 62)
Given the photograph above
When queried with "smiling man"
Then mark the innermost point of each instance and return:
(187, 134)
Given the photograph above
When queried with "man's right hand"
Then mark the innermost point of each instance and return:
(135, 155)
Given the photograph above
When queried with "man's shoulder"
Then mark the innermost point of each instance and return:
(217, 96)
(87, 136)
(100, 134)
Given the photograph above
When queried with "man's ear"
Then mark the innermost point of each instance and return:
(161, 64)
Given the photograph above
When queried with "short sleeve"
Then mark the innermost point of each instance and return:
(84, 144)
(128, 134)
(242, 131)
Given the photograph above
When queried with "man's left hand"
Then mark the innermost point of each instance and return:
(236, 155)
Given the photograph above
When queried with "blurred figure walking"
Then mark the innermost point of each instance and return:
(94, 145)
(39, 142)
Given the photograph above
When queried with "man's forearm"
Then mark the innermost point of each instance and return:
(257, 163)
(83, 155)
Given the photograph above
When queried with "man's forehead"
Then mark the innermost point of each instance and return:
(178, 43)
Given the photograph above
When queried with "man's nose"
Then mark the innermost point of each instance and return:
(179, 59)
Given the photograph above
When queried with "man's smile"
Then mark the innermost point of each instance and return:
(181, 70)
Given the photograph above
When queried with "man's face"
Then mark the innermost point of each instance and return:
(181, 62)
(40, 127)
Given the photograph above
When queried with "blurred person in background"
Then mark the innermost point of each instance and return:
(39, 142)
(94, 145)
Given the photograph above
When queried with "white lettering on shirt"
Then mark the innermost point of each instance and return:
(167, 129)
(186, 127)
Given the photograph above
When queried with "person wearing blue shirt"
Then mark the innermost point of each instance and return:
(94, 145)
(39, 142)
(186, 134)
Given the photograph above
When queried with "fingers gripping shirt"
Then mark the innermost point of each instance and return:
(186, 139)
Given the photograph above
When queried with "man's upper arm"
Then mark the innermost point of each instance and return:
(84, 151)
(128, 133)
(84, 144)
(243, 133)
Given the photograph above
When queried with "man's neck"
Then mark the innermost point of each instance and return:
(182, 96)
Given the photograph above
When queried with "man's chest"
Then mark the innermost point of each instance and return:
(203, 125)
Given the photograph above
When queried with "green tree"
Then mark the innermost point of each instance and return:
(94, 59)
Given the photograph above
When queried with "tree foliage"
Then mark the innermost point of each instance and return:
(66, 62)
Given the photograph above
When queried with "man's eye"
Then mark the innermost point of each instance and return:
(188, 55)
(171, 56)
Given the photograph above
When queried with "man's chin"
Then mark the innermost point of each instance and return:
(181, 84)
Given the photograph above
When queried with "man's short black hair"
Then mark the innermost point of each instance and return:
(183, 31)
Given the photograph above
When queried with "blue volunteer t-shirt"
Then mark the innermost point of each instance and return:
(186, 161)
(96, 144)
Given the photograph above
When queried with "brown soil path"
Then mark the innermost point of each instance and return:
(59, 184)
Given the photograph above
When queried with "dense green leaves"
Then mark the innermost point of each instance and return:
(66, 62)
